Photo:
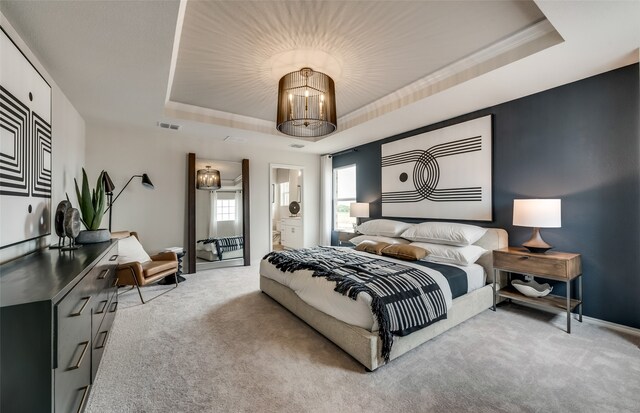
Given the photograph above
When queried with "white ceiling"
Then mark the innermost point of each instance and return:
(115, 60)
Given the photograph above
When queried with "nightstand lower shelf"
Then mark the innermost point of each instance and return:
(555, 301)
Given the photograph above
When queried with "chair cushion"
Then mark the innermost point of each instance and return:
(130, 250)
(151, 268)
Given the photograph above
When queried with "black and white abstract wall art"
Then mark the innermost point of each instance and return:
(442, 174)
(25, 148)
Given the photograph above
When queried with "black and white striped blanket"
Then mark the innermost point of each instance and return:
(225, 244)
(404, 299)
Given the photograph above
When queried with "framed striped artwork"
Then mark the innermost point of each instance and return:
(25, 148)
(441, 174)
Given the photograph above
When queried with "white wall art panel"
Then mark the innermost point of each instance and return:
(442, 174)
(25, 148)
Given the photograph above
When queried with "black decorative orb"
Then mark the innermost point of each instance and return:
(59, 217)
(404, 177)
(72, 223)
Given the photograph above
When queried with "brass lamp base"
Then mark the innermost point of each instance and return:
(536, 244)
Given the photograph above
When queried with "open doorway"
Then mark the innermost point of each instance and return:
(286, 207)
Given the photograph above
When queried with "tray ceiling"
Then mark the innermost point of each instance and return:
(230, 55)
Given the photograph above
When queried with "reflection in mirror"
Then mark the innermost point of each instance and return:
(219, 239)
(287, 208)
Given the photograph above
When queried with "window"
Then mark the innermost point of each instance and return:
(344, 193)
(226, 210)
(284, 194)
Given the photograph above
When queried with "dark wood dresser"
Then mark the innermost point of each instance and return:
(56, 309)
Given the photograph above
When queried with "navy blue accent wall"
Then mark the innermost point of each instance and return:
(579, 142)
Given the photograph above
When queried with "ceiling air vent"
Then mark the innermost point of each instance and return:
(166, 125)
(296, 145)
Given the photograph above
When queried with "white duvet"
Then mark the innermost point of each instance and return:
(318, 291)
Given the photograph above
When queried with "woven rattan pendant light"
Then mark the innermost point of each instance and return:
(306, 104)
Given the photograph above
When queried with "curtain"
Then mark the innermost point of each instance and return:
(326, 198)
(213, 222)
(238, 222)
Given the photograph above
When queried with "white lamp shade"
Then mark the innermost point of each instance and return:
(359, 210)
(537, 213)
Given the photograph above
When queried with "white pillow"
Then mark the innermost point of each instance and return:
(450, 254)
(448, 233)
(130, 250)
(383, 227)
(357, 240)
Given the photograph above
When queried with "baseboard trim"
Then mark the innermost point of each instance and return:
(612, 326)
(595, 321)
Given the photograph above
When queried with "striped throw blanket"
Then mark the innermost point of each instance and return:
(404, 299)
(225, 244)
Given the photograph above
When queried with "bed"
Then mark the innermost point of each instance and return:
(351, 331)
(218, 249)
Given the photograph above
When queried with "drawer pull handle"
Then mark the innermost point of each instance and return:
(84, 351)
(104, 339)
(113, 257)
(103, 274)
(86, 301)
(114, 307)
(115, 283)
(524, 258)
(84, 398)
(102, 307)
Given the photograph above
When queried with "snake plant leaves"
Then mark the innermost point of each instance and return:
(91, 201)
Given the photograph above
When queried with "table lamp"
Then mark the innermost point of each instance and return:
(358, 210)
(536, 213)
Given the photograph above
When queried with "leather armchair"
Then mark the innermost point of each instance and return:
(139, 274)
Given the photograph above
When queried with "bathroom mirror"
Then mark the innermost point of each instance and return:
(286, 209)
(219, 233)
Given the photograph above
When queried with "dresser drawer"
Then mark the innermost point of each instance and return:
(102, 274)
(102, 301)
(74, 399)
(101, 337)
(73, 325)
(73, 372)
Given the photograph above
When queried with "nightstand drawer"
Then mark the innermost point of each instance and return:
(556, 265)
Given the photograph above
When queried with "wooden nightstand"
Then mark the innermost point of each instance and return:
(554, 265)
(345, 237)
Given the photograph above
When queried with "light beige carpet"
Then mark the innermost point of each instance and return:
(217, 344)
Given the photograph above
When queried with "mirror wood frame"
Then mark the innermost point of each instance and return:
(191, 213)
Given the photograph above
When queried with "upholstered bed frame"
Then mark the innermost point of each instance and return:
(364, 345)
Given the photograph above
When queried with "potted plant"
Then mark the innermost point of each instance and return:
(92, 206)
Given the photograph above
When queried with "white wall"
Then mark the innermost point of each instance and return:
(68, 148)
(160, 215)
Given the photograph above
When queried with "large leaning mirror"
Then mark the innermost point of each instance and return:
(219, 230)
